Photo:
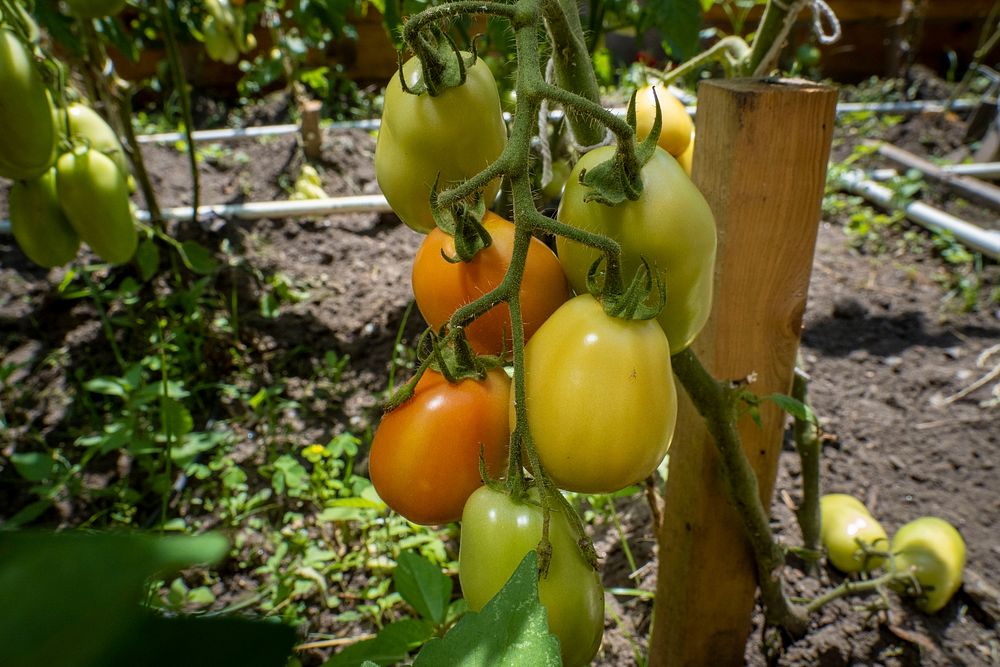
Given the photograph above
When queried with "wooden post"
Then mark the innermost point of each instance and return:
(760, 160)
(312, 138)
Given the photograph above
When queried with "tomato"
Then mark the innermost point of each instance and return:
(560, 173)
(497, 533)
(218, 43)
(844, 521)
(686, 159)
(28, 132)
(440, 287)
(424, 459)
(933, 551)
(600, 397)
(95, 9)
(455, 134)
(670, 225)
(94, 195)
(86, 125)
(39, 225)
(675, 133)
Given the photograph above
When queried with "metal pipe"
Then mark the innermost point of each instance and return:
(970, 188)
(990, 170)
(226, 134)
(292, 208)
(986, 241)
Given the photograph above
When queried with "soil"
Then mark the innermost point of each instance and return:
(893, 365)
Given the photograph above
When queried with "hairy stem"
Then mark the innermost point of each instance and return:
(772, 25)
(718, 403)
(805, 434)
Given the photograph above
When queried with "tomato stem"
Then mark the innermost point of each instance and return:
(719, 404)
(808, 444)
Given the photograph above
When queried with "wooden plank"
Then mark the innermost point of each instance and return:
(760, 160)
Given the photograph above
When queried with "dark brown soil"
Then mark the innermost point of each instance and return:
(890, 359)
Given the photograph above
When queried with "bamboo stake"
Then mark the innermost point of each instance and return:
(760, 160)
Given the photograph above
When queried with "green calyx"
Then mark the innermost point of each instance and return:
(442, 64)
(619, 178)
(632, 302)
(463, 221)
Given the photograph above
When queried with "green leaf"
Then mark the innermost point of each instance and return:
(147, 258)
(795, 408)
(33, 466)
(198, 258)
(680, 23)
(511, 630)
(193, 444)
(71, 599)
(289, 475)
(388, 647)
(108, 386)
(176, 419)
(422, 584)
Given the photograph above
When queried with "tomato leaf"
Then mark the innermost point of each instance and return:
(794, 407)
(198, 258)
(390, 646)
(680, 21)
(511, 630)
(147, 257)
(423, 586)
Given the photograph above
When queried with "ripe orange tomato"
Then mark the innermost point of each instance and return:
(441, 287)
(424, 459)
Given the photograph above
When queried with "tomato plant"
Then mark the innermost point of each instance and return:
(425, 455)
(600, 396)
(846, 524)
(450, 136)
(38, 223)
(670, 225)
(28, 141)
(497, 532)
(95, 9)
(933, 552)
(440, 286)
(94, 195)
(675, 135)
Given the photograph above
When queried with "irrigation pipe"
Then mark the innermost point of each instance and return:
(232, 134)
(983, 240)
(965, 186)
(293, 208)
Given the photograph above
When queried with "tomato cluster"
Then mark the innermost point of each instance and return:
(926, 555)
(71, 176)
(599, 395)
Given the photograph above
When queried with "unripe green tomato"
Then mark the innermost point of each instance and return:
(38, 223)
(933, 551)
(670, 225)
(560, 173)
(497, 533)
(95, 9)
(94, 195)
(844, 522)
(86, 125)
(455, 134)
(28, 132)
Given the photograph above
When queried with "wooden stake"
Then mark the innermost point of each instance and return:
(312, 138)
(760, 160)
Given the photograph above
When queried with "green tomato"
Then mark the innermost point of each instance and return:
(455, 135)
(95, 9)
(87, 126)
(38, 223)
(497, 532)
(28, 132)
(600, 397)
(560, 174)
(933, 551)
(844, 522)
(94, 195)
(670, 225)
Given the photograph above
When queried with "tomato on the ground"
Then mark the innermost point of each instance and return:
(440, 287)
(424, 459)
(844, 521)
(933, 551)
(497, 532)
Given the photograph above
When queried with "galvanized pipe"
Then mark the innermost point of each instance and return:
(986, 241)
